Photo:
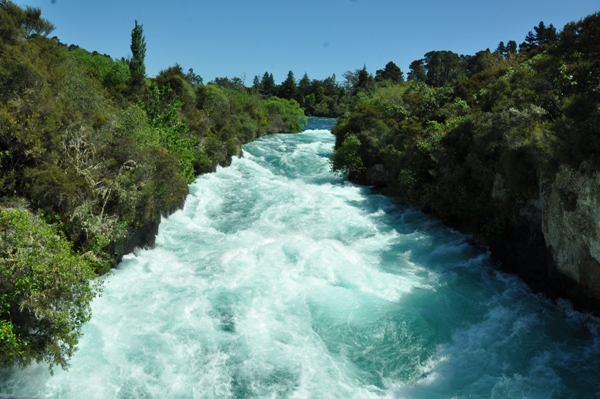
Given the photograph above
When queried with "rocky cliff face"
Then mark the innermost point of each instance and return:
(571, 227)
(554, 244)
(143, 236)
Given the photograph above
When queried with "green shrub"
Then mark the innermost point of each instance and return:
(45, 293)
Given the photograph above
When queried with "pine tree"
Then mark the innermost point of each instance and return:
(511, 47)
(289, 89)
(501, 49)
(417, 71)
(545, 34)
(138, 51)
(304, 84)
(391, 72)
(267, 85)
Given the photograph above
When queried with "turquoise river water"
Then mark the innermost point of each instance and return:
(280, 279)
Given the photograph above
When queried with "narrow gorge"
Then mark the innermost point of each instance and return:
(298, 283)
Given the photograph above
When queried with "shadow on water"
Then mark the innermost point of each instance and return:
(473, 330)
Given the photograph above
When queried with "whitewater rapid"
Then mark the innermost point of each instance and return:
(279, 279)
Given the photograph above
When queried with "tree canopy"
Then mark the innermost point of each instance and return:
(45, 291)
(391, 72)
(464, 127)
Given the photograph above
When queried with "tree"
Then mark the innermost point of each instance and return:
(256, 83)
(501, 48)
(390, 72)
(267, 85)
(530, 39)
(365, 80)
(443, 68)
(289, 89)
(193, 79)
(235, 83)
(163, 115)
(330, 84)
(543, 35)
(417, 71)
(346, 158)
(359, 80)
(138, 51)
(34, 24)
(45, 292)
(304, 85)
(17, 23)
(578, 48)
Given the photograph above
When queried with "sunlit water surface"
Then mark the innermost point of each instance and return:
(280, 279)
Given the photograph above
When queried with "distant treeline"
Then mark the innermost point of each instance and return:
(327, 97)
(332, 98)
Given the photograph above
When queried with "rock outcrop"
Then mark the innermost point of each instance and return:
(571, 227)
(554, 244)
(143, 236)
(377, 176)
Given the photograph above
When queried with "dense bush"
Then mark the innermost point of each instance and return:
(473, 149)
(45, 291)
(103, 154)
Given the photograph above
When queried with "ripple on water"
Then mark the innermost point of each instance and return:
(279, 279)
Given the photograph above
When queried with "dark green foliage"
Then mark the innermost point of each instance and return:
(443, 68)
(470, 138)
(347, 158)
(176, 85)
(235, 83)
(18, 23)
(267, 85)
(289, 90)
(511, 48)
(304, 85)
(103, 152)
(501, 48)
(192, 78)
(542, 38)
(45, 291)
(545, 35)
(137, 66)
(579, 51)
(110, 72)
(317, 97)
(417, 71)
(391, 72)
(364, 81)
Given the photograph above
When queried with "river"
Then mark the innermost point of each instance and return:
(279, 279)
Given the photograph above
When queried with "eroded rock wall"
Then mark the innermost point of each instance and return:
(571, 227)
(143, 236)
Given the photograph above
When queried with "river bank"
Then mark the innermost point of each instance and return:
(280, 278)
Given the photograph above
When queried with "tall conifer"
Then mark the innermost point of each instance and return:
(138, 51)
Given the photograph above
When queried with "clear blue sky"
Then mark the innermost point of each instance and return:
(230, 38)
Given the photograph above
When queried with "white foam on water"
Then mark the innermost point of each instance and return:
(278, 279)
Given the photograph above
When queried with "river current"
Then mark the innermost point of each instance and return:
(279, 279)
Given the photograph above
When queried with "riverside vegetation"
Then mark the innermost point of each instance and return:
(478, 141)
(92, 153)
